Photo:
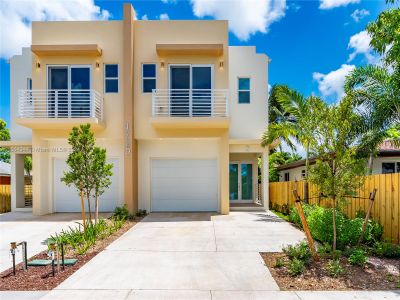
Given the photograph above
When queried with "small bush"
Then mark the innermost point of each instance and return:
(294, 213)
(279, 263)
(334, 268)
(360, 214)
(141, 213)
(296, 267)
(121, 213)
(324, 249)
(358, 258)
(300, 251)
(386, 250)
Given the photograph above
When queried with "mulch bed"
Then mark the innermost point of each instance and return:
(370, 277)
(41, 278)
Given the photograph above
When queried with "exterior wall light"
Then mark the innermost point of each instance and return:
(38, 65)
(162, 65)
(221, 65)
(97, 65)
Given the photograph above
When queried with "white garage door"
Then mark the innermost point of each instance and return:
(184, 185)
(66, 199)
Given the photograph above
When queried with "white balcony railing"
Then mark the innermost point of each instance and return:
(60, 104)
(190, 103)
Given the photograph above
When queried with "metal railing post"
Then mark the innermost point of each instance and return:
(56, 104)
(190, 103)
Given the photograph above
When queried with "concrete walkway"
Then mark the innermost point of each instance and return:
(23, 226)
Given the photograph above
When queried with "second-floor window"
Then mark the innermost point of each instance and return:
(149, 77)
(244, 90)
(286, 176)
(111, 78)
(390, 167)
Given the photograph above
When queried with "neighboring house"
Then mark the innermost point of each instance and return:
(5, 173)
(387, 161)
(180, 112)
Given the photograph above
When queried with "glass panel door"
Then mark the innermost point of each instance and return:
(57, 98)
(180, 94)
(247, 181)
(80, 91)
(233, 182)
(201, 94)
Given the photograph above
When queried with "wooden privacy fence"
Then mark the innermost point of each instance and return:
(386, 208)
(5, 198)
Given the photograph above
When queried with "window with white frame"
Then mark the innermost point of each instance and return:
(111, 78)
(244, 90)
(303, 173)
(149, 77)
(287, 177)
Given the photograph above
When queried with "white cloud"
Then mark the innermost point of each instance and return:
(144, 17)
(16, 18)
(164, 17)
(359, 43)
(331, 84)
(168, 1)
(246, 17)
(329, 4)
(359, 14)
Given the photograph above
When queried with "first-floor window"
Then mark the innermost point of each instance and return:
(148, 77)
(111, 78)
(244, 90)
(287, 177)
(303, 173)
(390, 167)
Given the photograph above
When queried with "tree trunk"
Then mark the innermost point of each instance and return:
(370, 163)
(97, 209)
(90, 211)
(334, 224)
(306, 192)
(83, 210)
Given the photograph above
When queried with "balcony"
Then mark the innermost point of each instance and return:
(190, 108)
(50, 109)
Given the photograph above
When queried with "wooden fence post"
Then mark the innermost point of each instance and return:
(305, 225)
(371, 203)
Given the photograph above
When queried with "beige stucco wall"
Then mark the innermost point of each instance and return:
(175, 148)
(20, 71)
(149, 33)
(248, 121)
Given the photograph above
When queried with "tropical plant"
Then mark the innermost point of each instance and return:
(296, 267)
(338, 172)
(375, 93)
(358, 257)
(4, 136)
(293, 122)
(334, 268)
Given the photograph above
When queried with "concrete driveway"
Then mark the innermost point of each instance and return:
(23, 226)
(185, 256)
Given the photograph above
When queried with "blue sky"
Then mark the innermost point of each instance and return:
(312, 44)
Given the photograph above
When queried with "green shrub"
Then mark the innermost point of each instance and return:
(121, 213)
(386, 250)
(360, 214)
(334, 268)
(141, 213)
(294, 213)
(319, 220)
(296, 267)
(279, 263)
(358, 257)
(300, 251)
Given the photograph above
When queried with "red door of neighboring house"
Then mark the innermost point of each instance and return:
(5, 180)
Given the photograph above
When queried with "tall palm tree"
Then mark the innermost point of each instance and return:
(293, 121)
(375, 91)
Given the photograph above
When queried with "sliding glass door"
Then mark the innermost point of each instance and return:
(191, 88)
(69, 91)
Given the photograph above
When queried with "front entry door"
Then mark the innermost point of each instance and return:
(241, 182)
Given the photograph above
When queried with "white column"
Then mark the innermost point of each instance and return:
(265, 178)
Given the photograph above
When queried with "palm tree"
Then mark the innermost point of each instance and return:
(375, 91)
(293, 121)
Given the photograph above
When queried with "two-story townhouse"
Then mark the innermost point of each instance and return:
(179, 111)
